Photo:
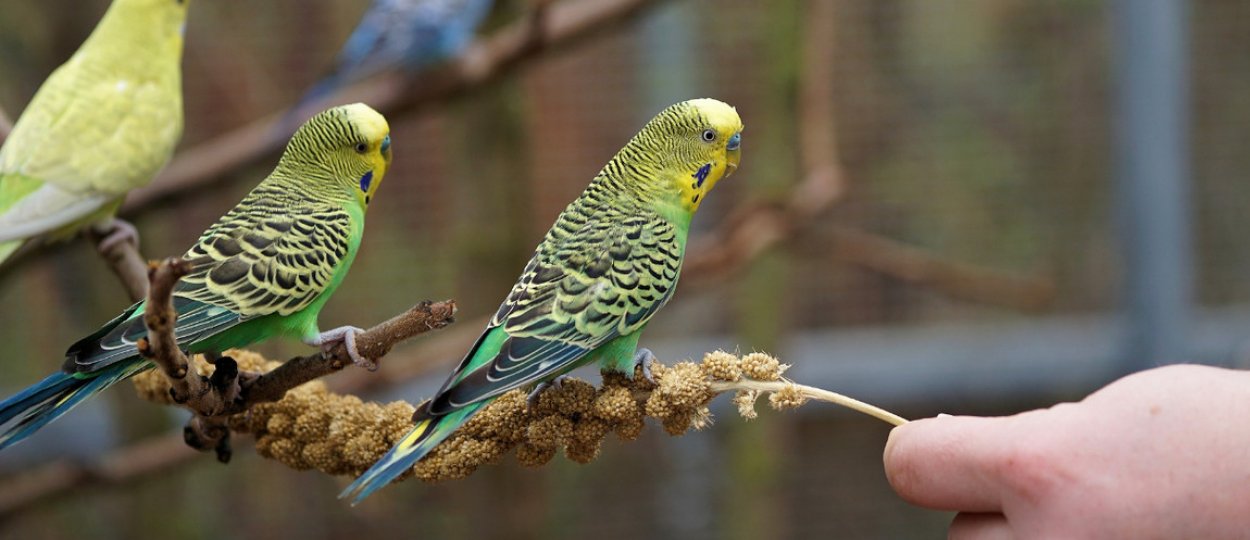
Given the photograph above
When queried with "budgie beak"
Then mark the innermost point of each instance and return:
(733, 153)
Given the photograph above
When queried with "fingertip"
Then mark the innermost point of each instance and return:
(891, 446)
(905, 459)
(941, 463)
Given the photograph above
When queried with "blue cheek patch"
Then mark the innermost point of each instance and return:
(365, 181)
(700, 176)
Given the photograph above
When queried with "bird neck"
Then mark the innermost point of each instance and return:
(637, 197)
(306, 189)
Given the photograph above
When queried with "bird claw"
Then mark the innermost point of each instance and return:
(115, 232)
(347, 336)
(644, 357)
(531, 400)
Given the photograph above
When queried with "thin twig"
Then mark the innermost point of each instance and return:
(159, 316)
(373, 344)
(206, 398)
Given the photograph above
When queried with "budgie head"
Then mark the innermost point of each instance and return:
(343, 152)
(696, 143)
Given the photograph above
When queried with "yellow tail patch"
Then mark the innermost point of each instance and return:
(413, 437)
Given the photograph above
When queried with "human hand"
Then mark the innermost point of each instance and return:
(1163, 453)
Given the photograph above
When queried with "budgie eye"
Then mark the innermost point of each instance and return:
(709, 135)
(361, 148)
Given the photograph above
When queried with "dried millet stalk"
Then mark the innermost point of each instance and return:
(313, 428)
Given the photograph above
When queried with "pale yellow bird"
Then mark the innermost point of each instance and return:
(103, 123)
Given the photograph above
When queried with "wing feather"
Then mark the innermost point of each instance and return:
(263, 258)
(589, 282)
(257, 262)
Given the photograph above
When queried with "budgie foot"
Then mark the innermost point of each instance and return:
(531, 401)
(347, 336)
(115, 232)
(644, 357)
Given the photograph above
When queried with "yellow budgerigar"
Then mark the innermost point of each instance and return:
(102, 124)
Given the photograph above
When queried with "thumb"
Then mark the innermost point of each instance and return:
(948, 462)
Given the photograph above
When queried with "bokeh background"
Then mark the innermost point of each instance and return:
(961, 206)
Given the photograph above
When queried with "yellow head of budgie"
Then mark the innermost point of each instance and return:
(344, 151)
(717, 150)
(680, 155)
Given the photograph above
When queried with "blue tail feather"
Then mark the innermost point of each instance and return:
(45, 401)
(423, 437)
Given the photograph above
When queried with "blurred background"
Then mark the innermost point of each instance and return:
(969, 207)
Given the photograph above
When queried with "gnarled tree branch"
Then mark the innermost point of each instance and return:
(228, 391)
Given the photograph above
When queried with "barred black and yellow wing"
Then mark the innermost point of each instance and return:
(268, 256)
(600, 274)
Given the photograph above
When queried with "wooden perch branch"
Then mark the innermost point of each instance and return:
(228, 391)
(159, 316)
(374, 343)
(556, 25)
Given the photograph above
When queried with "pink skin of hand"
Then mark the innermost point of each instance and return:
(1163, 453)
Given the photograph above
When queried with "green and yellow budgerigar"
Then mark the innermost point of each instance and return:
(608, 264)
(104, 123)
(264, 269)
